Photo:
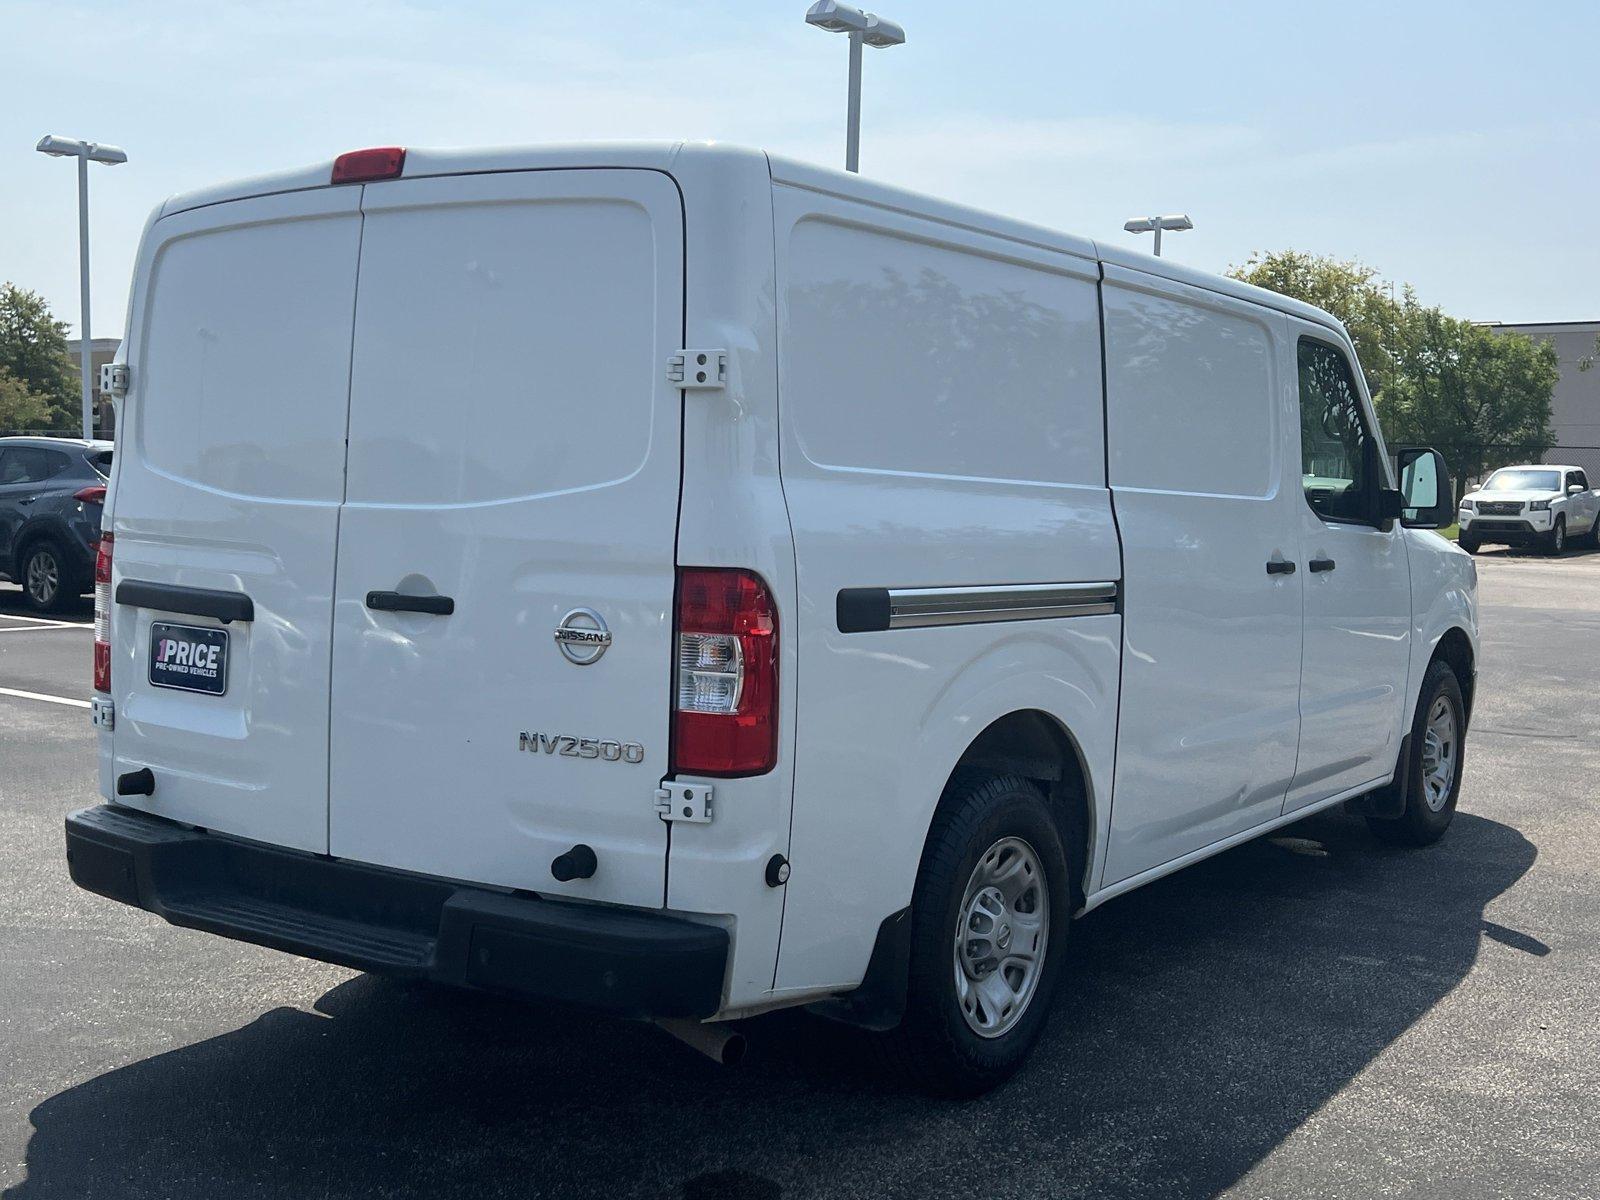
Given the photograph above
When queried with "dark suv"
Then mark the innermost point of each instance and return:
(52, 492)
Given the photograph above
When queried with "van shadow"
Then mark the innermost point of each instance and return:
(1212, 1013)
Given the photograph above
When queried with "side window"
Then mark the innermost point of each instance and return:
(1338, 459)
(1582, 480)
(29, 464)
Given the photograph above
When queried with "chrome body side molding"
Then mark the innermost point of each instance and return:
(867, 610)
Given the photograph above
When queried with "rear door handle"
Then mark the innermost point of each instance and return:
(439, 606)
(1321, 564)
(1280, 566)
(225, 606)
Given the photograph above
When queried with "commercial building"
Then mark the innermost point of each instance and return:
(1575, 409)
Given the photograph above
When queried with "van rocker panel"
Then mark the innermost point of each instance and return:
(625, 962)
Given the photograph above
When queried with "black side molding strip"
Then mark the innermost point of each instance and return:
(191, 601)
(862, 610)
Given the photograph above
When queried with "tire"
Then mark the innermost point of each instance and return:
(1430, 807)
(1593, 536)
(48, 581)
(1555, 542)
(1470, 544)
(988, 827)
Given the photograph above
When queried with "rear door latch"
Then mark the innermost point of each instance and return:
(684, 802)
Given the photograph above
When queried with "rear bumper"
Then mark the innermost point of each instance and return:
(622, 961)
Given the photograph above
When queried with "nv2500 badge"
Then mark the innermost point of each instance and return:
(576, 747)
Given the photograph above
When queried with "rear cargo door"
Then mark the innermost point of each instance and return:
(230, 479)
(513, 466)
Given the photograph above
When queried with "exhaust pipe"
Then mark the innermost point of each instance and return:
(718, 1041)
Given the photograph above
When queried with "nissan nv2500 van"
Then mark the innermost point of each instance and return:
(680, 583)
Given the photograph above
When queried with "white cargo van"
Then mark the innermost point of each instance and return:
(681, 583)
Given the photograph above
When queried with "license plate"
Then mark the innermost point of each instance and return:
(190, 658)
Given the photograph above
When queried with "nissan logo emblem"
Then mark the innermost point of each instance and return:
(583, 637)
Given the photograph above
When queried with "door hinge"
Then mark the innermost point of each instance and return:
(698, 370)
(684, 802)
(103, 713)
(114, 378)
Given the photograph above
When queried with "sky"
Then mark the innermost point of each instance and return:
(1452, 145)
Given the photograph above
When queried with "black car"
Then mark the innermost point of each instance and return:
(52, 492)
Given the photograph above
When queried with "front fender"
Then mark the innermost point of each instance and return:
(1444, 596)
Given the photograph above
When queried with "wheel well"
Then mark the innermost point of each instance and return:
(1456, 649)
(1034, 744)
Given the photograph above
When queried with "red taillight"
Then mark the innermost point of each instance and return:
(91, 495)
(725, 719)
(361, 166)
(102, 613)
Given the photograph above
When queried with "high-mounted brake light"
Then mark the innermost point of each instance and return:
(102, 614)
(363, 166)
(94, 494)
(726, 708)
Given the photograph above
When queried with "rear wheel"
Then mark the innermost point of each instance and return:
(990, 916)
(1434, 761)
(47, 581)
(1556, 540)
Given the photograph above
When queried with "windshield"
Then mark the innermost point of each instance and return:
(1523, 479)
(100, 460)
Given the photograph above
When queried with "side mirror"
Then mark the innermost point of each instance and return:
(1574, 490)
(1427, 499)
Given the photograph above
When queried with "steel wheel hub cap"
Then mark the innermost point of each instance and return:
(1440, 750)
(44, 577)
(1001, 932)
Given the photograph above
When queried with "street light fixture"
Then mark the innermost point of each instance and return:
(85, 153)
(864, 28)
(1155, 225)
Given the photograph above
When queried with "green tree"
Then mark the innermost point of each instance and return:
(19, 407)
(1349, 290)
(1481, 399)
(33, 352)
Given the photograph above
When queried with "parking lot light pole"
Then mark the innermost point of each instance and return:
(866, 29)
(1155, 225)
(85, 153)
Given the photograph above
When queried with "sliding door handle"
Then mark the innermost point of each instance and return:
(1321, 564)
(439, 606)
(1279, 566)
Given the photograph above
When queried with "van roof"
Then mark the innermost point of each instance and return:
(663, 156)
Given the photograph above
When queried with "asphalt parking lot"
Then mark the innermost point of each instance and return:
(1310, 1015)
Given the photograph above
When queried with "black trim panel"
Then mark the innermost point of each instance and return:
(190, 601)
(863, 610)
(630, 962)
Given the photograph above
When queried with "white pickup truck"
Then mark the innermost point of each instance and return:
(675, 582)
(1544, 505)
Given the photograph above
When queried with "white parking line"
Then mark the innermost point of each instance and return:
(5, 691)
(45, 628)
(40, 620)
